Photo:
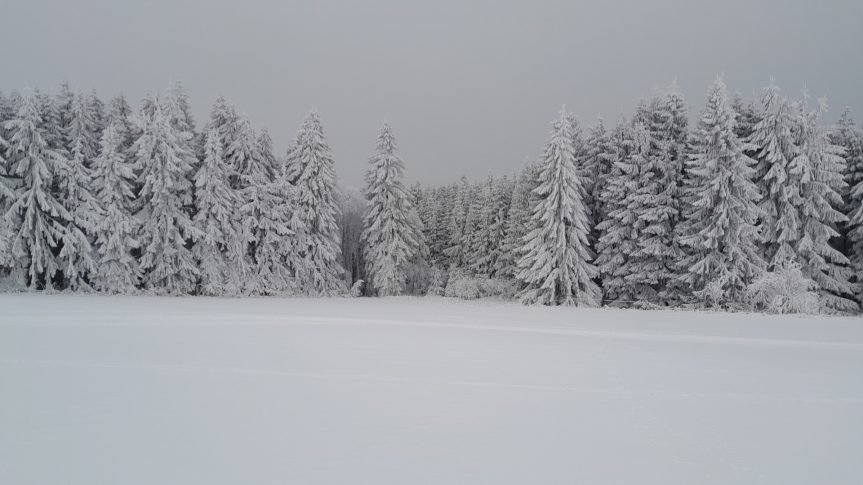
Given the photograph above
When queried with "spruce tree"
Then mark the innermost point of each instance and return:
(495, 232)
(519, 219)
(849, 136)
(820, 166)
(773, 146)
(167, 264)
(620, 258)
(273, 232)
(456, 250)
(599, 159)
(120, 115)
(719, 229)
(221, 248)
(76, 181)
(43, 242)
(310, 170)
(556, 263)
(392, 234)
(116, 230)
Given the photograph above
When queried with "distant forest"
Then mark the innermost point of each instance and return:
(757, 206)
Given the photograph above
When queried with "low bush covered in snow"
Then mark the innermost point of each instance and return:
(784, 290)
(471, 288)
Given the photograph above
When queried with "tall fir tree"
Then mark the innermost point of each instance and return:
(719, 229)
(116, 230)
(120, 115)
(556, 265)
(620, 255)
(849, 136)
(43, 242)
(273, 228)
(456, 250)
(310, 170)
(599, 160)
(393, 233)
(774, 149)
(519, 219)
(820, 165)
(76, 180)
(221, 248)
(167, 263)
(497, 214)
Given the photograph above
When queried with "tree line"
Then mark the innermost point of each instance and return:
(758, 205)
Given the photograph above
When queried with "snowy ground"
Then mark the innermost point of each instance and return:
(127, 391)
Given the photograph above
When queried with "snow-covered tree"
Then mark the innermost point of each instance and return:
(268, 161)
(820, 166)
(273, 227)
(719, 228)
(456, 250)
(310, 170)
(774, 148)
(393, 232)
(519, 219)
(849, 136)
(163, 153)
(76, 179)
(120, 115)
(352, 210)
(599, 159)
(556, 263)
(221, 248)
(620, 257)
(494, 233)
(800, 175)
(746, 117)
(42, 240)
(116, 230)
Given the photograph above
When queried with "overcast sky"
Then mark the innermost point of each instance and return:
(469, 86)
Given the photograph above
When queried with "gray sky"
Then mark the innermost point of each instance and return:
(469, 86)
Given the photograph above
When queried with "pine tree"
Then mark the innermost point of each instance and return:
(120, 115)
(656, 202)
(310, 171)
(116, 230)
(746, 117)
(495, 233)
(7, 186)
(475, 245)
(221, 248)
(167, 263)
(392, 234)
(41, 235)
(273, 228)
(620, 258)
(849, 136)
(264, 148)
(555, 267)
(719, 228)
(773, 147)
(599, 159)
(456, 250)
(820, 166)
(97, 111)
(76, 181)
(519, 219)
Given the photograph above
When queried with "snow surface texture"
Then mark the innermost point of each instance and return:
(138, 390)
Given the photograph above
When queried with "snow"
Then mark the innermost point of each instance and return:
(149, 390)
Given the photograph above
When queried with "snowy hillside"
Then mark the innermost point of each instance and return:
(128, 391)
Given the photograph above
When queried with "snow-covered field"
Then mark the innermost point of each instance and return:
(138, 390)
